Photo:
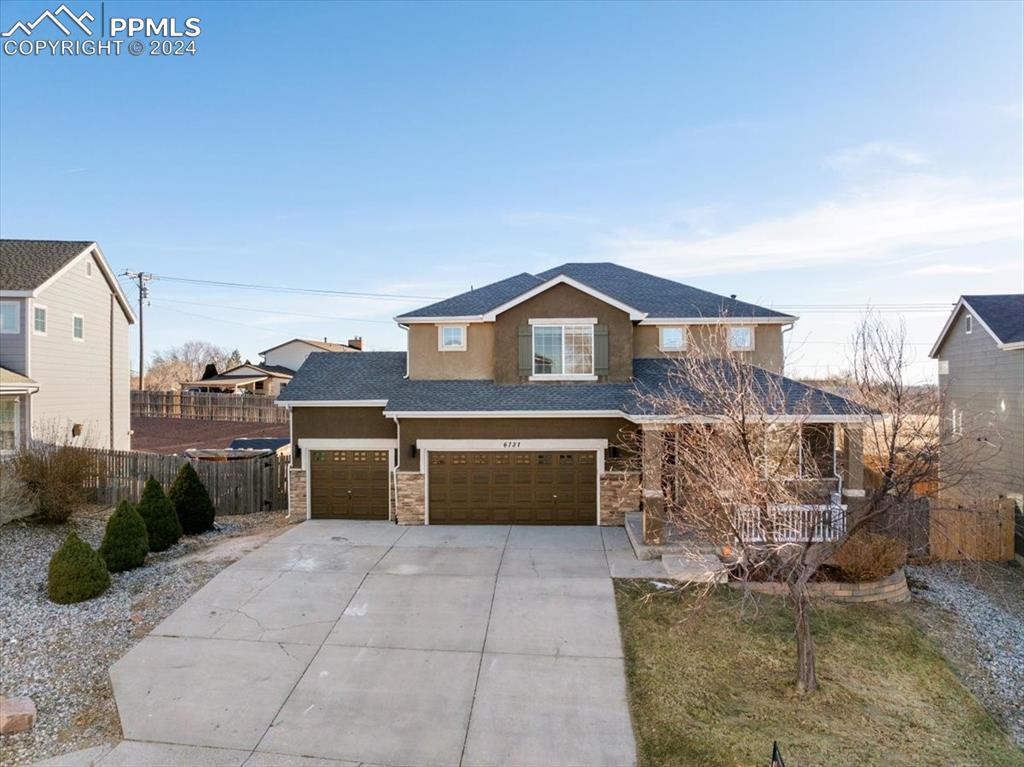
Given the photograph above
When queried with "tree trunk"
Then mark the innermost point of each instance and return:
(807, 677)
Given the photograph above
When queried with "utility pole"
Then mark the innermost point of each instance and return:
(141, 278)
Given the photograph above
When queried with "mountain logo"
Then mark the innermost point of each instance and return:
(55, 16)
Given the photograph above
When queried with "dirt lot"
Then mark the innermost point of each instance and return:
(175, 435)
(59, 655)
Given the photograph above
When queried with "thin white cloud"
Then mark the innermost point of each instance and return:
(942, 270)
(873, 153)
(543, 218)
(882, 220)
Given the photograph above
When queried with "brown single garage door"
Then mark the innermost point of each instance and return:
(349, 484)
(513, 488)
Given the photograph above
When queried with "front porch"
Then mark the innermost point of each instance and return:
(823, 479)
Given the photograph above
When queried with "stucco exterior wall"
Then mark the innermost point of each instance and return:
(81, 382)
(987, 385)
(426, 361)
(562, 301)
(612, 429)
(767, 353)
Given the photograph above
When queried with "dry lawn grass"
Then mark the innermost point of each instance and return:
(714, 688)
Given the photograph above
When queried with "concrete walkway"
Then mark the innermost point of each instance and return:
(368, 643)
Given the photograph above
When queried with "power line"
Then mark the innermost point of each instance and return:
(286, 289)
(270, 311)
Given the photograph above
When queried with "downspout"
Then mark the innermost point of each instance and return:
(785, 330)
(398, 459)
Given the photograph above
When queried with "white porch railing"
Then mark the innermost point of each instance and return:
(792, 523)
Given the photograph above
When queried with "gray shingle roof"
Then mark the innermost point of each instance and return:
(27, 264)
(480, 300)
(381, 376)
(655, 296)
(663, 377)
(1004, 314)
(330, 376)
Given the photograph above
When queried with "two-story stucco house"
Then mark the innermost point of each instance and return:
(515, 402)
(981, 374)
(64, 369)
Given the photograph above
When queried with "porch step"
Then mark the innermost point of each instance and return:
(706, 568)
(645, 551)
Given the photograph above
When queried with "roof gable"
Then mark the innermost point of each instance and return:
(321, 346)
(29, 266)
(1002, 317)
(644, 297)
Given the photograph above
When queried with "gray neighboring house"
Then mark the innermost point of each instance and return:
(981, 372)
(64, 369)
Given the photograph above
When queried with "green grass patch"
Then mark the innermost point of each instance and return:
(713, 685)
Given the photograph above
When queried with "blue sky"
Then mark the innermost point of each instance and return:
(816, 156)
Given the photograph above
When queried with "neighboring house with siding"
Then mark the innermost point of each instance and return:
(517, 402)
(271, 376)
(63, 346)
(980, 352)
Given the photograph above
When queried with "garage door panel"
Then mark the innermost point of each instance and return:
(517, 487)
(349, 484)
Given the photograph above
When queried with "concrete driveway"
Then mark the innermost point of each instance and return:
(368, 643)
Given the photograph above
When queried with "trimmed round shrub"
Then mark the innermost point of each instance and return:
(125, 543)
(157, 511)
(869, 556)
(191, 501)
(77, 572)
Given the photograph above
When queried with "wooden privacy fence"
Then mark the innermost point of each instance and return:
(208, 406)
(237, 487)
(984, 532)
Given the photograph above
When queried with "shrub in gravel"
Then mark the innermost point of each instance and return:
(869, 556)
(55, 477)
(157, 511)
(125, 542)
(191, 501)
(77, 572)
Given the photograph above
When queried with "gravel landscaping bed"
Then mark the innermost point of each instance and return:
(975, 613)
(59, 655)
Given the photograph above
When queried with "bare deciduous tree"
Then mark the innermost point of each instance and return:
(754, 464)
(187, 362)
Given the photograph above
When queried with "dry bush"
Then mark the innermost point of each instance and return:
(869, 556)
(15, 498)
(55, 476)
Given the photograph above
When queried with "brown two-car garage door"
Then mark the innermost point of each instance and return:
(349, 484)
(539, 488)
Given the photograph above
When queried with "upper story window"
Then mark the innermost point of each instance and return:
(672, 339)
(451, 338)
(969, 324)
(10, 317)
(741, 338)
(563, 350)
(77, 327)
(39, 320)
